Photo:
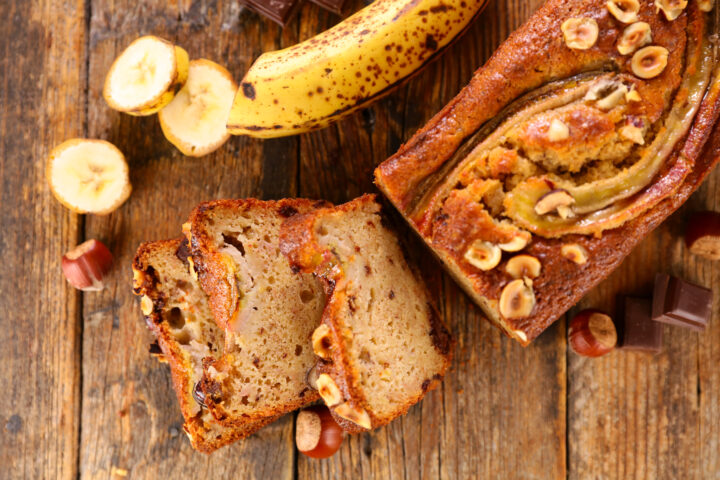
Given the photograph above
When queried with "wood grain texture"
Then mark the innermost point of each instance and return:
(42, 103)
(88, 400)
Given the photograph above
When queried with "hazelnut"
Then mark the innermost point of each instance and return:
(624, 10)
(517, 300)
(592, 333)
(520, 334)
(632, 133)
(146, 305)
(705, 5)
(633, 37)
(580, 33)
(552, 200)
(85, 265)
(649, 62)
(521, 266)
(328, 390)
(321, 341)
(317, 434)
(633, 96)
(518, 242)
(702, 236)
(575, 253)
(671, 8)
(558, 131)
(311, 377)
(357, 416)
(483, 255)
(613, 98)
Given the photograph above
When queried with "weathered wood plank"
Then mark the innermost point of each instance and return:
(42, 102)
(501, 410)
(130, 416)
(633, 415)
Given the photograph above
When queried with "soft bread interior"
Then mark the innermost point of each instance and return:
(387, 312)
(266, 364)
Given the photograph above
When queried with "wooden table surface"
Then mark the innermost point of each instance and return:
(83, 398)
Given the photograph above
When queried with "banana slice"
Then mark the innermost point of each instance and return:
(195, 120)
(146, 76)
(89, 176)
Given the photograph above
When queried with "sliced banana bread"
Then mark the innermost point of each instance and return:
(381, 342)
(177, 313)
(268, 312)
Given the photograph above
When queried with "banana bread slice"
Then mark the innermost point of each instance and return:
(177, 313)
(268, 312)
(381, 343)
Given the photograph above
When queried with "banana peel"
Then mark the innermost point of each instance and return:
(314, 83)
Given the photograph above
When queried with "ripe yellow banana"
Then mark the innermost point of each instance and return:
(320, 80)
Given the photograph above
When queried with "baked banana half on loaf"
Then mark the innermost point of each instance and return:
(582, 133)
(268, 313)
(381, 343)
(177, 313)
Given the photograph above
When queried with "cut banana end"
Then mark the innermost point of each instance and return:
(89, 176)
(195, 120)
(146, 76)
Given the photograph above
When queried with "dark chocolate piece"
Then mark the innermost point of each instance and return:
(279, 11)
(335, 6)
(681, 303)
(639, 331)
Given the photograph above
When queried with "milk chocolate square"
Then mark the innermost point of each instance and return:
(639, 331)
(681, 303)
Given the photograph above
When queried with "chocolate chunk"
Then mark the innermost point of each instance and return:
(639, 331)
(681, 303)
(279, 11)
(198, 395)
(335, 6)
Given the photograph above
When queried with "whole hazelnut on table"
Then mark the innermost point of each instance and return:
(85, 265)
(592, 333)
(317, 435)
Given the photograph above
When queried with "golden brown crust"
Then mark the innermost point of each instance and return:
(299, 243)
(521, 65)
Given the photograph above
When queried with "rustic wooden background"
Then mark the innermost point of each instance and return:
(84, 399)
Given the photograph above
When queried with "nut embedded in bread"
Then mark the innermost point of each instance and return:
(578, 145)
(267, 311)
(382, 345)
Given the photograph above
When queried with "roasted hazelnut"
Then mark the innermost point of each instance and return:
(311, 377)
(86, 265)
(671, 8)
(146, 305)
(632, 133)
(558, 131)
(613, 98)
(518, 242)
(575, 253)
(592, 333)
(649, 62)
(624, 10)
(321, 341)
(328, 390)
(635, 36)
(632, 96)
(357, 416)
(317, 434)
(483, 255)
(702, 236)
(521, 266)
(705, 5)
(552, 200)
(517, 299)
(580, 33)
